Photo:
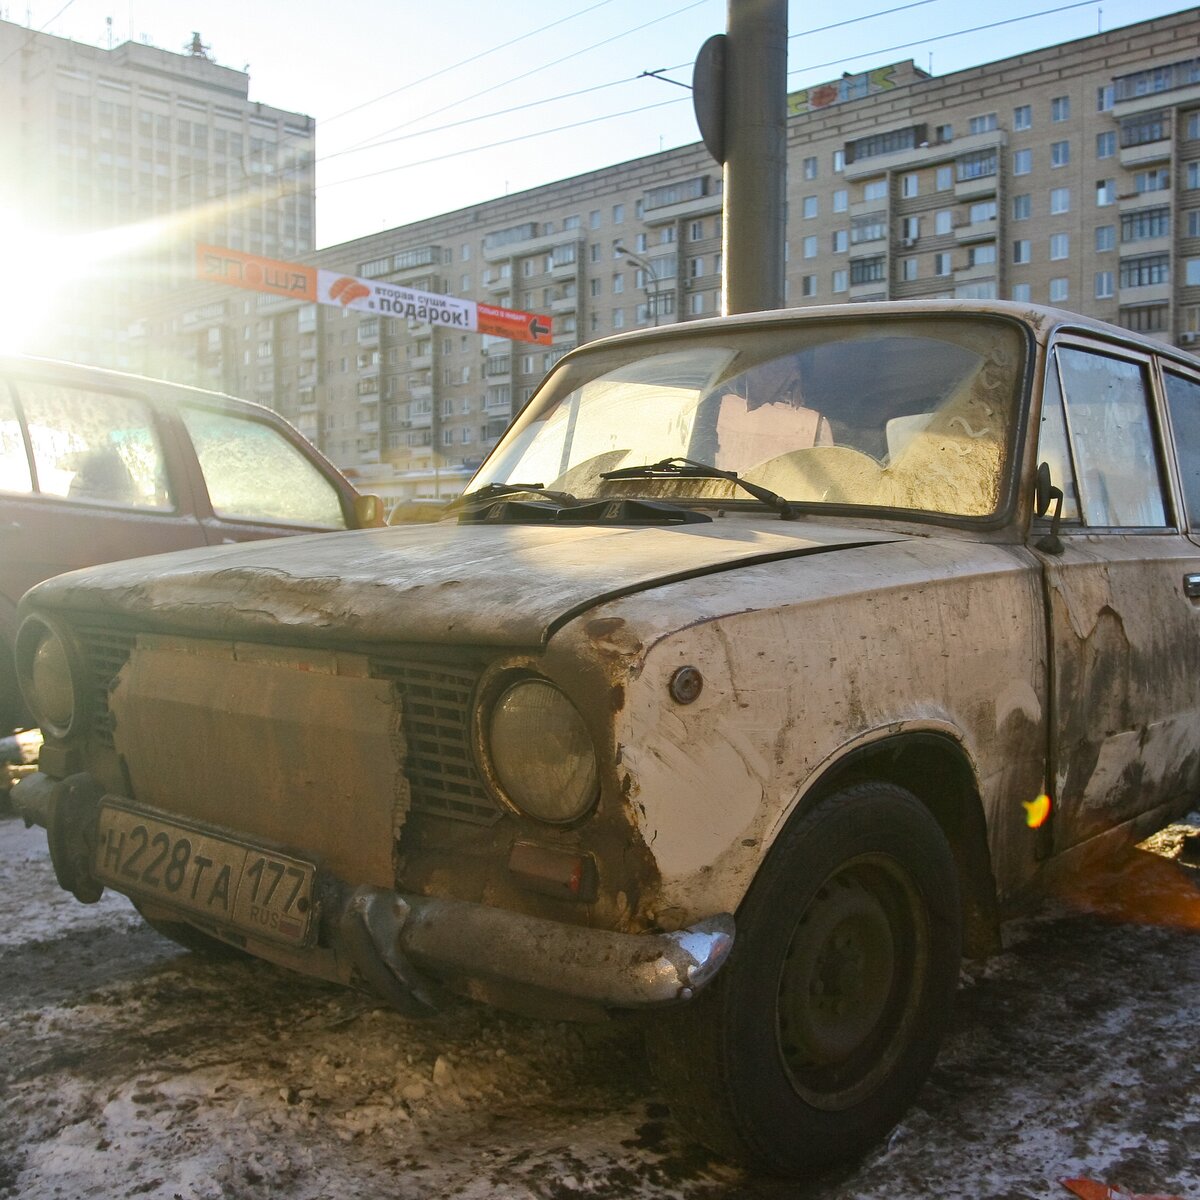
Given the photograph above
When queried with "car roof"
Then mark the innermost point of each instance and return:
(1041, 320)
(81, 373)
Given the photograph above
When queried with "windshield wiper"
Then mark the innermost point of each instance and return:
(490, 491)
(690, 468)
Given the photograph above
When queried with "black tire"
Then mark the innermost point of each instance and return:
(820, 1030)
(191, 938)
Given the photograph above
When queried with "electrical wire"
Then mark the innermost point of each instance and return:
(34, 32)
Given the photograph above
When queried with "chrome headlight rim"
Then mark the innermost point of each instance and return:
(32, 633)
(491, 693)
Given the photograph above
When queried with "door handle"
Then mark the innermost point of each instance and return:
(1191, 586)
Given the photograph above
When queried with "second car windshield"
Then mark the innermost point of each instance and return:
(910, 414)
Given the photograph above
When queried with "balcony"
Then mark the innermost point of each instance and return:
(975, 274)
(1187, 95)
(699, 207)
(500, 284)
(1135, 249)
(368, 427)
(564, 304)
(923, 156)
(970, 189)
(1144, 155)
(975, 231)
(1132, 201)
(568, 270)
(533, 245)
(876, 289)
(867, 208)
(420, 420)
(421, 391)
(1153, 293)
(420, 362)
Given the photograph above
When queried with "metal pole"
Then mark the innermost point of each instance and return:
(636, 260)
(755, 156)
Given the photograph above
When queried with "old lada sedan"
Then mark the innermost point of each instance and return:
(765, 665)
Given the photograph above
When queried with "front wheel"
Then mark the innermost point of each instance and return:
(823, 1025)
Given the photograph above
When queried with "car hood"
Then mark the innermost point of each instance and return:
(507, 585)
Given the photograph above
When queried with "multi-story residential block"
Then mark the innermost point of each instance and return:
(168, 146)
(1068, 175)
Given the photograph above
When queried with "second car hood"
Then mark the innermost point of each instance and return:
(507, 585)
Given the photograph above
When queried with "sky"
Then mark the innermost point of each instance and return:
(425, 108)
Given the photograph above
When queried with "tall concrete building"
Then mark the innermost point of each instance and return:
(96, 139)
(1068, 175)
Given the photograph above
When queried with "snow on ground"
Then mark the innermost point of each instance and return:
(129, 1067)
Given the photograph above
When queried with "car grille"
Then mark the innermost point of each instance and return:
(435, 705)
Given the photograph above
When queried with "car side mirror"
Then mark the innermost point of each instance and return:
(1044, 495)
(368, 512)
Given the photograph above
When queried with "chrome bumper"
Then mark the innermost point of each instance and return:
(399, 945)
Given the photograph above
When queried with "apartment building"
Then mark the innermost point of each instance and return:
(1068, 175)
(168, 146)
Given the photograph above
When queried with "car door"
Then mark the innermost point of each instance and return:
(89, 476)
(259, 481)
(1124, 633)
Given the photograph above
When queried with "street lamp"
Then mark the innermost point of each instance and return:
(636, 260)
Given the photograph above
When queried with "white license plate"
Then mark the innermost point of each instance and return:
(228, 883)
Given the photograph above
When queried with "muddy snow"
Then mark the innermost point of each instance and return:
(130, 1067)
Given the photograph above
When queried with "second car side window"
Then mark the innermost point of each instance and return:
(1183, 400)
(1118, 475)
(14, 464)
(94, 447)
(253, 472)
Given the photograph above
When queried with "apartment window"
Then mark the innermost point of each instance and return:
(1023, 251)
(1157, 180)
(943, 221)
(868, 229)
(809, 207)
(1022, 117)
(984, 123)
(876, 189)
(839, 161)
(810, 167)
(1060, 108)
(1022, 292)
(944, 180)
(1148, 319)
(1106, 237)
(1106, 97)
(1106, 143)
(1104, 285)
(696, 303)
(910, 186)
(639, 243)
(594, 219)
(1060, 200)
(1060, 154)
(841, 281)
(981, 256)
(841, 241)
(618, 318)
(910, 229)
(1060, 246)
(1193, 174)
(1059, 290)
(695, 268)
(985, 210)
(1191, 272)
(1144, 128)
(1022, 162)
(810, 246)
(942, 264)
(908, 269)
(841, 200)
(1106, 192)
(1022, 207)
(808, 285)
(1193, 223)
(1193, 125)
(943, 134)
(976, 166)
(618, 284)
(1146, 271)
(696, 231)
(868, 270)
(1145, 223)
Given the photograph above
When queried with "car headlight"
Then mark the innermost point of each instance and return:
(46, 679)
(540, 752)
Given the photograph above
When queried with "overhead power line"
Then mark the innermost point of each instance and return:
(32, 32)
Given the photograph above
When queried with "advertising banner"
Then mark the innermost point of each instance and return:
(215, 264)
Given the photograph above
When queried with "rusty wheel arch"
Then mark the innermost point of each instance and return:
(936, 769)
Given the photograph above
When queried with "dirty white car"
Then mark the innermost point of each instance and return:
(766, 664)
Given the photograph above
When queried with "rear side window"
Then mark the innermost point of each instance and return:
(14, 463)
(1183, 402)
(93, 447)
(254, 473)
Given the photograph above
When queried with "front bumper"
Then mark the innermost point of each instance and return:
(402, 946)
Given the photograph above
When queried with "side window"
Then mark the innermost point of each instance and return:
(14, 464)
(1112, 437)
(94, 447)
(252, 471)
(1183, 402)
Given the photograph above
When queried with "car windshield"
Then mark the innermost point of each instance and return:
(907, 413)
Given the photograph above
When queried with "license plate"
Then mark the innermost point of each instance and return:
(228, 883)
